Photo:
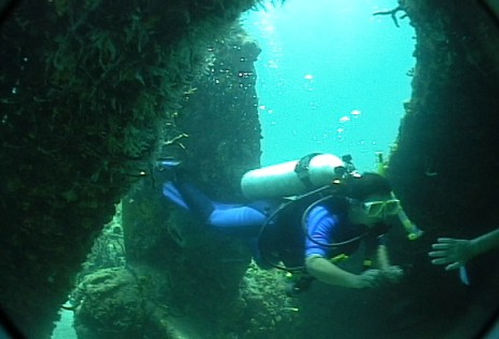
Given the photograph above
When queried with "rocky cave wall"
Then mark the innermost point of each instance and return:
(445, 166)
(86, 90)
(445, 144)
(217, 138)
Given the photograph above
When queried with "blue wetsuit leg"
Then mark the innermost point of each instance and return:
(232, 218)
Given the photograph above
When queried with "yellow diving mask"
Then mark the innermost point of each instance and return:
(381, 208)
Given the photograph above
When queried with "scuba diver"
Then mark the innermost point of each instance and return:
(303, 233)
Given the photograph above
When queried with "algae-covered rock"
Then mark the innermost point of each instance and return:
(111, 305)
(85, 93)
(216, 135)
(445, 167)
(266, 309)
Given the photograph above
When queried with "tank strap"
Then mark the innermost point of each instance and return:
(302, 168)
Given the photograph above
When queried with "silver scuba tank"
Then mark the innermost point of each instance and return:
(292, 177)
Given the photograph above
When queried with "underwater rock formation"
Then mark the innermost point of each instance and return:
(111, 300)
(86, 87)
(220, 139)
(445, 166)
(216, 134)
(445, 139)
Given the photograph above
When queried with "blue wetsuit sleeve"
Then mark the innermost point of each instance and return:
(320, 226)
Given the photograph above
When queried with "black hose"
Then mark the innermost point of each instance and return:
(260, 235)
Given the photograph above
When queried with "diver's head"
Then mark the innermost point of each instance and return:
(370, 199)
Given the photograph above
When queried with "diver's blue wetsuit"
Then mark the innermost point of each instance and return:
(231, 218)
(283, 236)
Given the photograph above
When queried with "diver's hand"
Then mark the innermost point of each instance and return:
(369, 279)
(451, 252)
(392, 274)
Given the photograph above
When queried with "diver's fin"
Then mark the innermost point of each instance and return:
(171, 168)
(172, 193)
(463, 275)
(168, 163)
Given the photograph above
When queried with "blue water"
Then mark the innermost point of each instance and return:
(64, 327)
(331, 78)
